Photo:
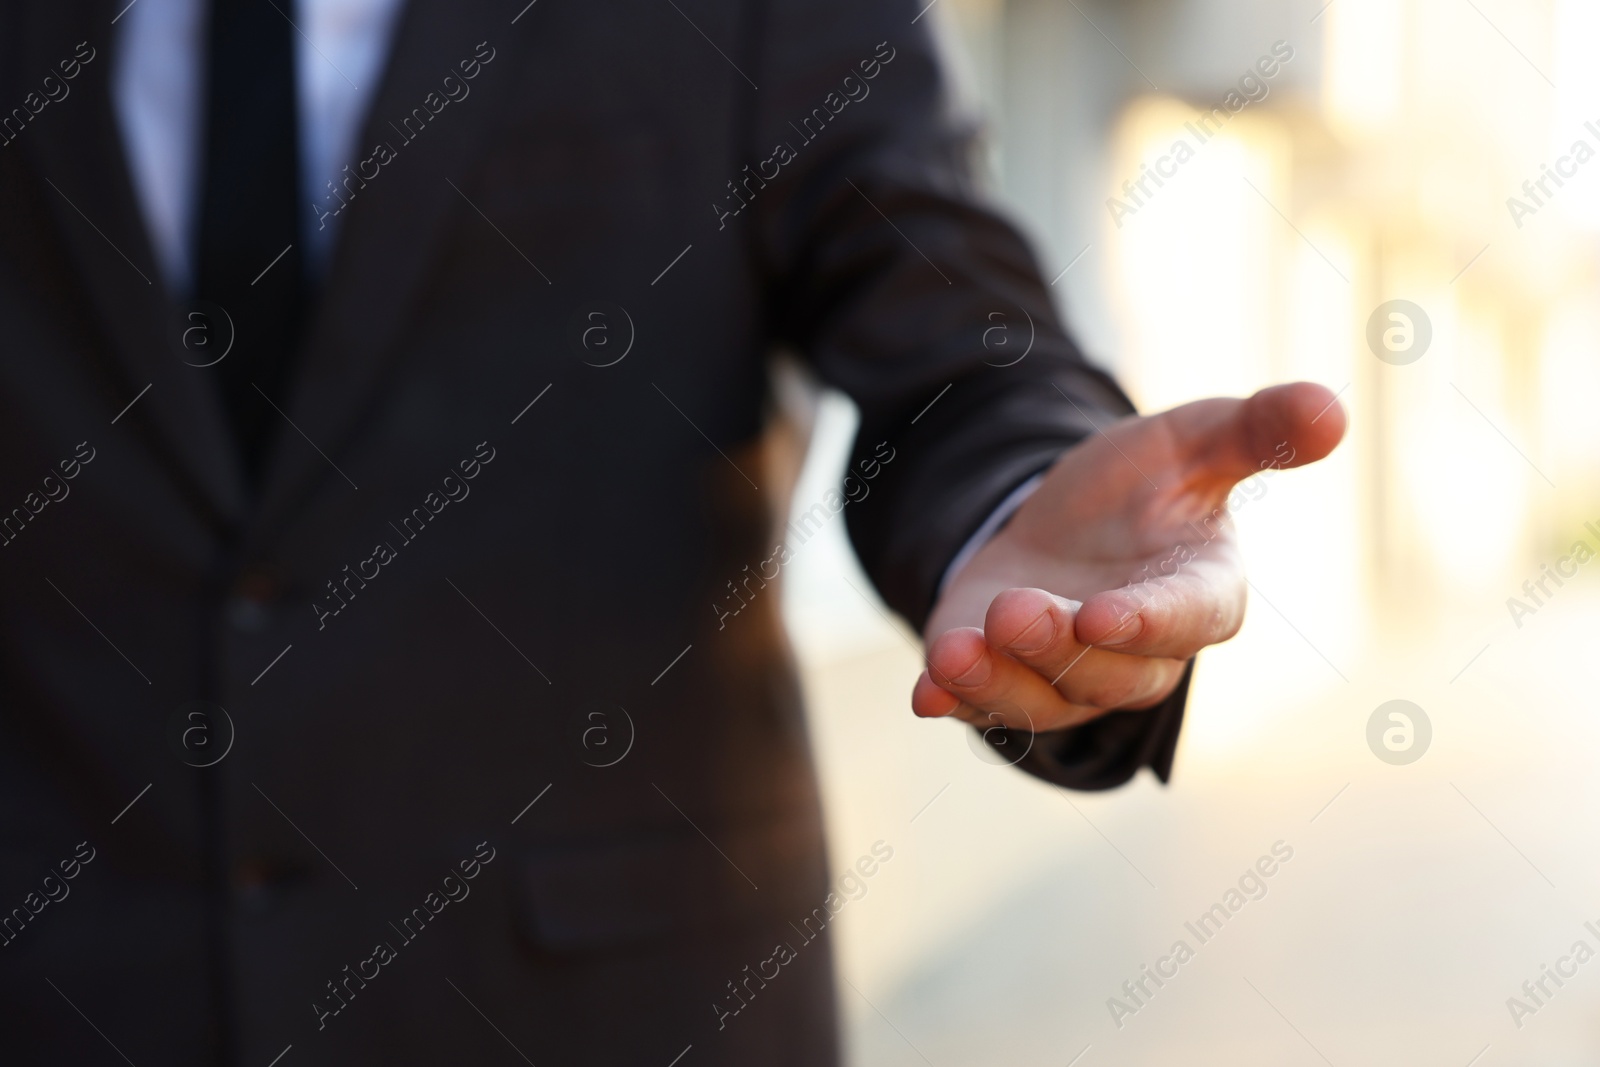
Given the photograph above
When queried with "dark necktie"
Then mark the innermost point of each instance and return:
(250, 213)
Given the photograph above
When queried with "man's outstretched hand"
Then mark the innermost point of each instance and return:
(1118, 568)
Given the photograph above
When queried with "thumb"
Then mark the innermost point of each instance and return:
(1281, 426)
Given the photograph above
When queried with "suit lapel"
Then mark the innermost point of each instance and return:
(75, 149)
(390, 230)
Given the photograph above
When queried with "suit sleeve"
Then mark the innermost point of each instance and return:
(885, 268)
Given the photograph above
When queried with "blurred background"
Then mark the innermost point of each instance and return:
(1382, 159)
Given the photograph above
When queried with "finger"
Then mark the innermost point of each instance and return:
(928, 701)
(1168, 616)
(1279, 427)
(961, 663)
(1037, 629)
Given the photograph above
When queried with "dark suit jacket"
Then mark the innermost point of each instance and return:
(440, 594)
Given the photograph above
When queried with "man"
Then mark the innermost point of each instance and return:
(391, 673)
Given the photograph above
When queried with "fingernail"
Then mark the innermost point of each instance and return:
(1130, 628)
(976, 674)
(1023, 642)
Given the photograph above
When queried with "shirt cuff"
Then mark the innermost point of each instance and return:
(997, 518)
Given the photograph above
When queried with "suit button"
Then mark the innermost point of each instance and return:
(258, 883)
(252, 882)
(249, 605)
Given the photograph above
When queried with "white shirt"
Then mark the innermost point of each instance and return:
(158, 95)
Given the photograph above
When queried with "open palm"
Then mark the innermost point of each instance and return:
(1120, 567)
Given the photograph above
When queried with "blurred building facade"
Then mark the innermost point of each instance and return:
(1376, 164)
(1337, 157)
